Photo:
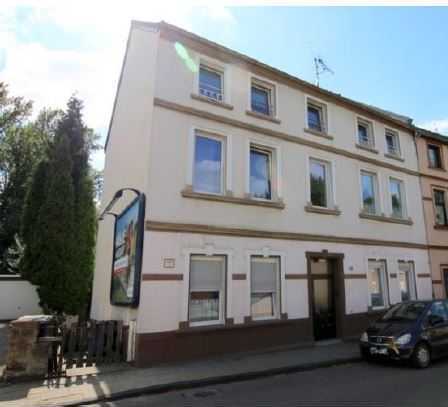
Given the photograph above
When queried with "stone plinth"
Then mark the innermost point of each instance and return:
(27, 357)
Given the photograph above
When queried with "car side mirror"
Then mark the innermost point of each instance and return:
(435, 320)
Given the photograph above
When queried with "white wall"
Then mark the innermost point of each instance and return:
(164, 303)
(17, 298)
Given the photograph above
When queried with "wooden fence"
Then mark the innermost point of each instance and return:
(89, 344)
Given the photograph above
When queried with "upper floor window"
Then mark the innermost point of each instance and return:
(378, 287)
(260, 172)
(208, 172)
(211, 83)
(320, 183)
(396, 189)
(365, 134)
(392, 143)
(316, 116)
(434, 156)
(440, 207)
(262, 98)
(406, 280)
(207, 289)
(264, 287)
(369, 189)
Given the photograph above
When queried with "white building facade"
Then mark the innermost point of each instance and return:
(277, 213)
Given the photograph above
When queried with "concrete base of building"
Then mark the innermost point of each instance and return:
(197, 343)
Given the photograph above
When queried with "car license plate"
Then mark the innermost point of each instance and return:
(378, 351)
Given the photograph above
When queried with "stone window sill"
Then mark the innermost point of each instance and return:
(366, 148)
(394, 157)
(387, 219)
(263, 116)
(211, 101)
(231, 199)
(318, 133)
(323, 211)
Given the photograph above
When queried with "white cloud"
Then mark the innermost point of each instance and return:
(439, 126)
(49, 75)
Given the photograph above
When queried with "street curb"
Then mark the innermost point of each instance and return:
(191, 384)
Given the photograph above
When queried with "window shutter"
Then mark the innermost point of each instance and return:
(264, 275)
(206, 274)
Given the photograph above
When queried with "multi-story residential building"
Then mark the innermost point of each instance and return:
(432, 153)
(276, 212)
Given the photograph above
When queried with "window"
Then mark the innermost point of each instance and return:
(208, 174)
(260, 172)
(406, 280)
(262, 98)
(392, 143)
(365, 134)
(369, 186)
(434, 156)
(440, 207)
(438, 309)
(207, 289)
(320, 183)
(210, 83)
(316, 116)
(265, 287)
(377, 281)
(397, 198)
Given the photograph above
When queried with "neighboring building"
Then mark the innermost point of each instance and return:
(433, 161)
(276, 212)
(17, 298)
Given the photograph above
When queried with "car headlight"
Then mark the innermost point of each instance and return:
(403, 339)
(364, 337)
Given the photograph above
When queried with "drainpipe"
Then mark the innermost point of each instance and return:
(416, 136)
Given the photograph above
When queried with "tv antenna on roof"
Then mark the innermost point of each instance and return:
(320, 67)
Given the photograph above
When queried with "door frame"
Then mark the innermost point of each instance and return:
(338, 281)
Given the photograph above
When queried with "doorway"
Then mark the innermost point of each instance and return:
(445, 279)
(327, 299)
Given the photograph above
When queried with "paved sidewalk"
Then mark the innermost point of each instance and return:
(120, 381)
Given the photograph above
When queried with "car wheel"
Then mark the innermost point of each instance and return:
(421, 357)
(366, 356)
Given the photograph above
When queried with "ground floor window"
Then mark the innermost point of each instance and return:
(265, 287)
(378, 287)
(406, 280)
(207, 289)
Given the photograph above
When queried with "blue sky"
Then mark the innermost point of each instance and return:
(393, 57)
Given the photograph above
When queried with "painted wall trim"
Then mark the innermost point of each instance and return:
(267, 234)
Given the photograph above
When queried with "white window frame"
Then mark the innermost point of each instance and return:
(226, 153)
(274, 149)
(217, 66)
(272, 89)
(319, 103)
(384, 277)
(445, 195)
(396, 135)
(370, 131)
(404, 202)
(329, 181)
(207, 250)
(412, 279)
(428, 145)
(377, 191)
(266, 252)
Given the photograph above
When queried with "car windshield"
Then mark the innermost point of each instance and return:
(410, 311)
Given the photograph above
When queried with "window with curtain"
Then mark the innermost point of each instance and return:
(440, 207)
(265, 287)
(397, 198)
(210, 83)
(392, 143)
(315, 115)
(365, 134)
(369, 192)
(207, 289)
(406, 281)
(377, 280)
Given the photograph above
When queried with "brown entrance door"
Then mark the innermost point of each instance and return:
(325, 287)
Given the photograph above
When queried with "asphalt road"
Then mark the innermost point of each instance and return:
(357, 384)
